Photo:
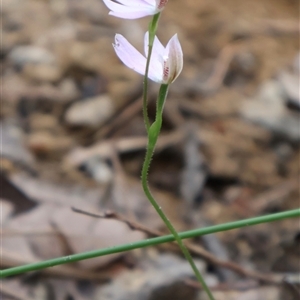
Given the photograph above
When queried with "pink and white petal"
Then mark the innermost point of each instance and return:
(137, 3)
(131, 15)
(116, 7)
(131, 57)
(113, 5)
(155, 71)
(156, 62)
(150, 2)
(174, 48)
(160, 4)
(175, 57)
(157, 50)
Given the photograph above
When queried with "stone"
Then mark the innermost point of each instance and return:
(42, 72)
(92, 56)
(16, 88)
(267, 108)
(23, 55)
(43, 142)
(13, 144)
(68, 90)
(40, 121)
(99, 170)
(91, 112)
(36, 63)
(289, 81)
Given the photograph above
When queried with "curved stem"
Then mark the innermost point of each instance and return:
(152, 30)
(153, 133)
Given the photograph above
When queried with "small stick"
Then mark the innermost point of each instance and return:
(196, 249)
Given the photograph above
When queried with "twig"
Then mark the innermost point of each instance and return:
(275, 195)
(237, 285)
(222, 65)
(120, 119)
(273, 26)
(113, 215)
(264, 200)
(123, 145)
(231, 265)
(134, 225)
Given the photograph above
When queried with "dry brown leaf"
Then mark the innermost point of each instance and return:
(41, 246)
(44, 191)
(86, 234)
(6, 209)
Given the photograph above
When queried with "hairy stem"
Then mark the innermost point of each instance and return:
(153, 133)
(152, 31)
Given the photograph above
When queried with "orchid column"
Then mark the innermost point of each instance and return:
(164, 67)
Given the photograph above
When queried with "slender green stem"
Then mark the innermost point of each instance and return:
(149, 242)
(152, 31)
(153, 133)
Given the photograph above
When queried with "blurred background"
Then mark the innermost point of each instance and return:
(73, 136)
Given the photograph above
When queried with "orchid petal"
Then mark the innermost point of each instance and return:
(150, 2)
(131, 57)
(165, 63)
(155, 71)
(175, 57)
(116, 7)
(133, 9)
(156, 61)
(130, 15)
(157, 50)
(160, 4)
(137, 3)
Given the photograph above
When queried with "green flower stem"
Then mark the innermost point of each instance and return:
(152, 31)
(150, 242)
(153, 134)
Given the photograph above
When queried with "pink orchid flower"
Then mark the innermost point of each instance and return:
(166, 62)
(134, 9)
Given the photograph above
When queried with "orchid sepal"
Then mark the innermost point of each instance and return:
(166, 62)
(135, 9)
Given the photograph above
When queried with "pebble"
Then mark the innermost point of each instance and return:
(42, 72)
(289, 80)
(44, 143)
(36, 63)
(267, 108)
(99, 170)
(15, 88)
(23, 55)
(13, 144)
(90, 112)
(68, 90)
